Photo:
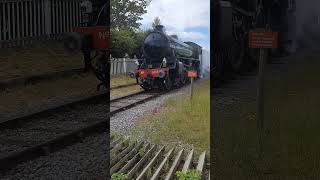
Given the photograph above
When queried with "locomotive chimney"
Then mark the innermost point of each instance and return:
(160, 28)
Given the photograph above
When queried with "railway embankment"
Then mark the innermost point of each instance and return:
(289, 149)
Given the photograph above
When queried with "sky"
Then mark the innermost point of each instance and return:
(189, 19)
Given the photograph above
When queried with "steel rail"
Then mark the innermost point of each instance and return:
(71, 137)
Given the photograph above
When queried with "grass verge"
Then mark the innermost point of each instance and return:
(290, 147)
(24, 98)
(179, 123)
(44, 57)
(121, 80)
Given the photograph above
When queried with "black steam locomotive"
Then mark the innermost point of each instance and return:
(234, 19)
(166, 60)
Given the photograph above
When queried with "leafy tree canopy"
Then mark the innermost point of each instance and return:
(126, 40)
(127, 13)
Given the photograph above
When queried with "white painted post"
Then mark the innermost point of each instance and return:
(77, 13)
(125, 65)
(64, 16)
(47, 17)
(30, 18)
(9, 20)
(5, 27)
(27, 16)
(15, 5)
(60, 15)
(34, 18)
(23, 18)
(1, 26)
(72, 14)
(39, 18)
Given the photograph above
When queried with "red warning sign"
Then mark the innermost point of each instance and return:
(267, 40)
(192, 74)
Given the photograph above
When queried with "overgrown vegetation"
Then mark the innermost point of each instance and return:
(189, 175)
(119, 176)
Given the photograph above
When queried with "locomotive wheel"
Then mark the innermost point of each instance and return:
(145, 86)
(183, 78)
(236, 56)
(218, 62)
(167, 83)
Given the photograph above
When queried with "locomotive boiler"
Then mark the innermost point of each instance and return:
(234, 19)
(166, 60)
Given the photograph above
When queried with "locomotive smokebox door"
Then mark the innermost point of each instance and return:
(223, 24)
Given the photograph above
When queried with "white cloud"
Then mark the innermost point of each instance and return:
(179, 15)
(188, 35)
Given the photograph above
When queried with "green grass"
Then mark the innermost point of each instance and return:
(121, 80)
(179, 123)
(291, 149)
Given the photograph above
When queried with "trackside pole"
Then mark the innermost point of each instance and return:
(191, 89)
(260, 99)
(192, 75)
(262, 40)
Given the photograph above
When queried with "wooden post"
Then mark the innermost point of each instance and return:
(260, 99)
(191, 90)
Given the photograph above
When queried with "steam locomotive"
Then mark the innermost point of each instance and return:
(166, 60)
(232, 22)
(93, 35)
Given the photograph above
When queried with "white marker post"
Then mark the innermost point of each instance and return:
(262, 40)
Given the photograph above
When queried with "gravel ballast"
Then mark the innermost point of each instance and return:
(86, 160)
(124, 121)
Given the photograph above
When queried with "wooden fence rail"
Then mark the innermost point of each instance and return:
(22, 21)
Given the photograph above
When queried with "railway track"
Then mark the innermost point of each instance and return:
(143, 160)
(38, 134)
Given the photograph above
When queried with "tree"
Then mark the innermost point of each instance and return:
(121, 42)
(156, 22)
(127, 13)
(139, 37)
(126, 40)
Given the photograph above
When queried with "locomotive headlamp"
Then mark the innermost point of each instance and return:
(161, 74)
(132, 74)
(164, 62)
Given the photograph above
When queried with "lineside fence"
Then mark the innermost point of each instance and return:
(122, 66)
(23, 21)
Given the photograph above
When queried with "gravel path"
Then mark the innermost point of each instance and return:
(124, 121)
(86, 160)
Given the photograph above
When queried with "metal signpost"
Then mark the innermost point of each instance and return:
(262, 40)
